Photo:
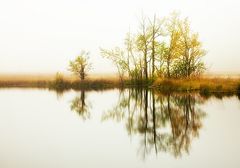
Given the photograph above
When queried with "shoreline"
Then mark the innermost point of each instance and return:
(202, 85)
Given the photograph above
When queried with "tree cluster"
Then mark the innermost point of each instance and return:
(162, 47)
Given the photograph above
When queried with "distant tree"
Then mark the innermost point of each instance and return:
(81, 65)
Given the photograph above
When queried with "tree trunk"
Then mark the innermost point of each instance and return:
(168, 67)
(145, 66)
(153, 47)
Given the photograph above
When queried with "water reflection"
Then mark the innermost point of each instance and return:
(79, 105)
(165, 123)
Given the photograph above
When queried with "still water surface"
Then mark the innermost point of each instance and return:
(113, 128)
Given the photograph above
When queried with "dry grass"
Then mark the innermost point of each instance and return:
(26, 77)
(49, 81)
(51, 77)
(24, 80)
(202, 84)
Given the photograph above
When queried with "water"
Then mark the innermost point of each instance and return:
(113, 128)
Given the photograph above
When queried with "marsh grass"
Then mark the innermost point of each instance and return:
(57, 82)
(60, 82)
(204, 85)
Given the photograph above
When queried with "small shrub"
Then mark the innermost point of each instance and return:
(59, 82)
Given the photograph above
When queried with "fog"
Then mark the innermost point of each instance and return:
(42, 36)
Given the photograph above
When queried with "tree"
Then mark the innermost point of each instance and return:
(143, 42)
(126, 59)
(156, 31)
(161, 48)
(135, 69)
(174, 43)
(191, 62)
(117, 56)
(80, 66)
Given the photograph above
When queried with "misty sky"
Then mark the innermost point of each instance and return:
(42, 36)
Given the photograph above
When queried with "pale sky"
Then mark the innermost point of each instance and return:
(42, 36)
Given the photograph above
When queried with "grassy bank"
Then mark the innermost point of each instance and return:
(59, 84)
(203, 85)
(87, 84)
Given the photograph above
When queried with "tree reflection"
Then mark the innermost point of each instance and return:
(165, 123)
(79, 105)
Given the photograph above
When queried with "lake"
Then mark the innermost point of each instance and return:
(118, 128)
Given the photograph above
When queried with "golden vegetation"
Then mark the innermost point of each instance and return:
(163, 53)
(57, 81)
(62, 82)
(204, 85)
(161, 47)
